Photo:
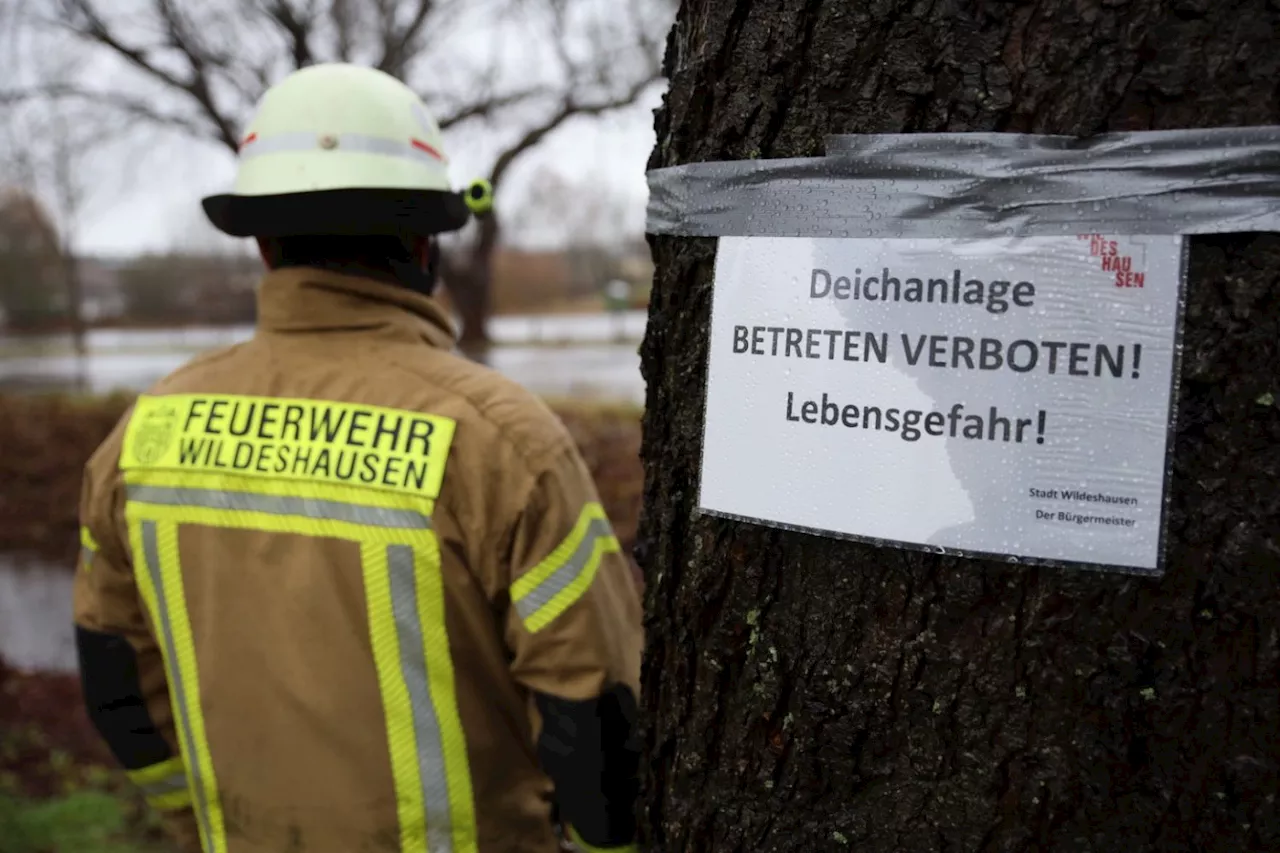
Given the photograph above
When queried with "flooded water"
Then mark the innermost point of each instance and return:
(591, 355)
(35, 616)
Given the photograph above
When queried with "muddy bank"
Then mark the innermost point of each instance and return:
(45, 441)
(60, 789)
(47, 743)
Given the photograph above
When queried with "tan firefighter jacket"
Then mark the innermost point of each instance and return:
(343, 558)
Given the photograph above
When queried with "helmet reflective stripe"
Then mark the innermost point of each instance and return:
(365, 144)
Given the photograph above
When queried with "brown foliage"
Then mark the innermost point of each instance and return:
(44, 443)
(524, 281)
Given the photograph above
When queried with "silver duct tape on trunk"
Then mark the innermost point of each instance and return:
(984, 185)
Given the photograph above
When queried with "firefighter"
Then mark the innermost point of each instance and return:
(340, 588)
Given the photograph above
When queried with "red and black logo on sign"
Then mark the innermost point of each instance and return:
(1126, 263)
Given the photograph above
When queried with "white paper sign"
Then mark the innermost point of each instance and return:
(1004, 397)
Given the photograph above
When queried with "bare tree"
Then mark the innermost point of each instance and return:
(529, 64)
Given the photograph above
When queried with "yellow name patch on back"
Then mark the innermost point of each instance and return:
(315, 440)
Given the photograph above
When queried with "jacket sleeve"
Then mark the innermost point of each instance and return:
(121, 666)
(574, 628)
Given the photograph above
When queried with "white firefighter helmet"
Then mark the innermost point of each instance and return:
(341, 149)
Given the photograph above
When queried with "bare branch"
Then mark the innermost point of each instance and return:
(231, 56)
(399, 47)
(139, 108)
(486, 108)
(569, 109)
(11, 97)
(343, 15)
(198, 85)
(298, 27)
(92, 27)
(560, 31)
(579, 77)
(386, 20)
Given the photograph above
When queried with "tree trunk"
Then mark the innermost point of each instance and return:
(75, 306)
(810, 694)
(468, 277)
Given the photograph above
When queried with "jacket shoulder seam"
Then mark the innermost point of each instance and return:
(543, 452)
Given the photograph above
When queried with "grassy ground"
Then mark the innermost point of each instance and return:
(88, 821)
(59, 789)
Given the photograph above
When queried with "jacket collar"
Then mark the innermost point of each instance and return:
(302, 300)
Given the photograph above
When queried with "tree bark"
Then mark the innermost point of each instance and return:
(806, 693)
(468, 277)
(75, 305)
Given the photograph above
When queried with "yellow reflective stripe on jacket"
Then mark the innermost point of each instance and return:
(164, 784)
(179, 798)
(405, 594)
(88, 547)
(283, 505)
(153, 774)
(404, 588)
(552, 586)
(276, 506)
(159, 574)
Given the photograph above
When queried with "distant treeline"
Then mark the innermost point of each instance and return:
(184, 288)
(45, 287)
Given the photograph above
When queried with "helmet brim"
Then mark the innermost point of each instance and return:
(351, 212)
